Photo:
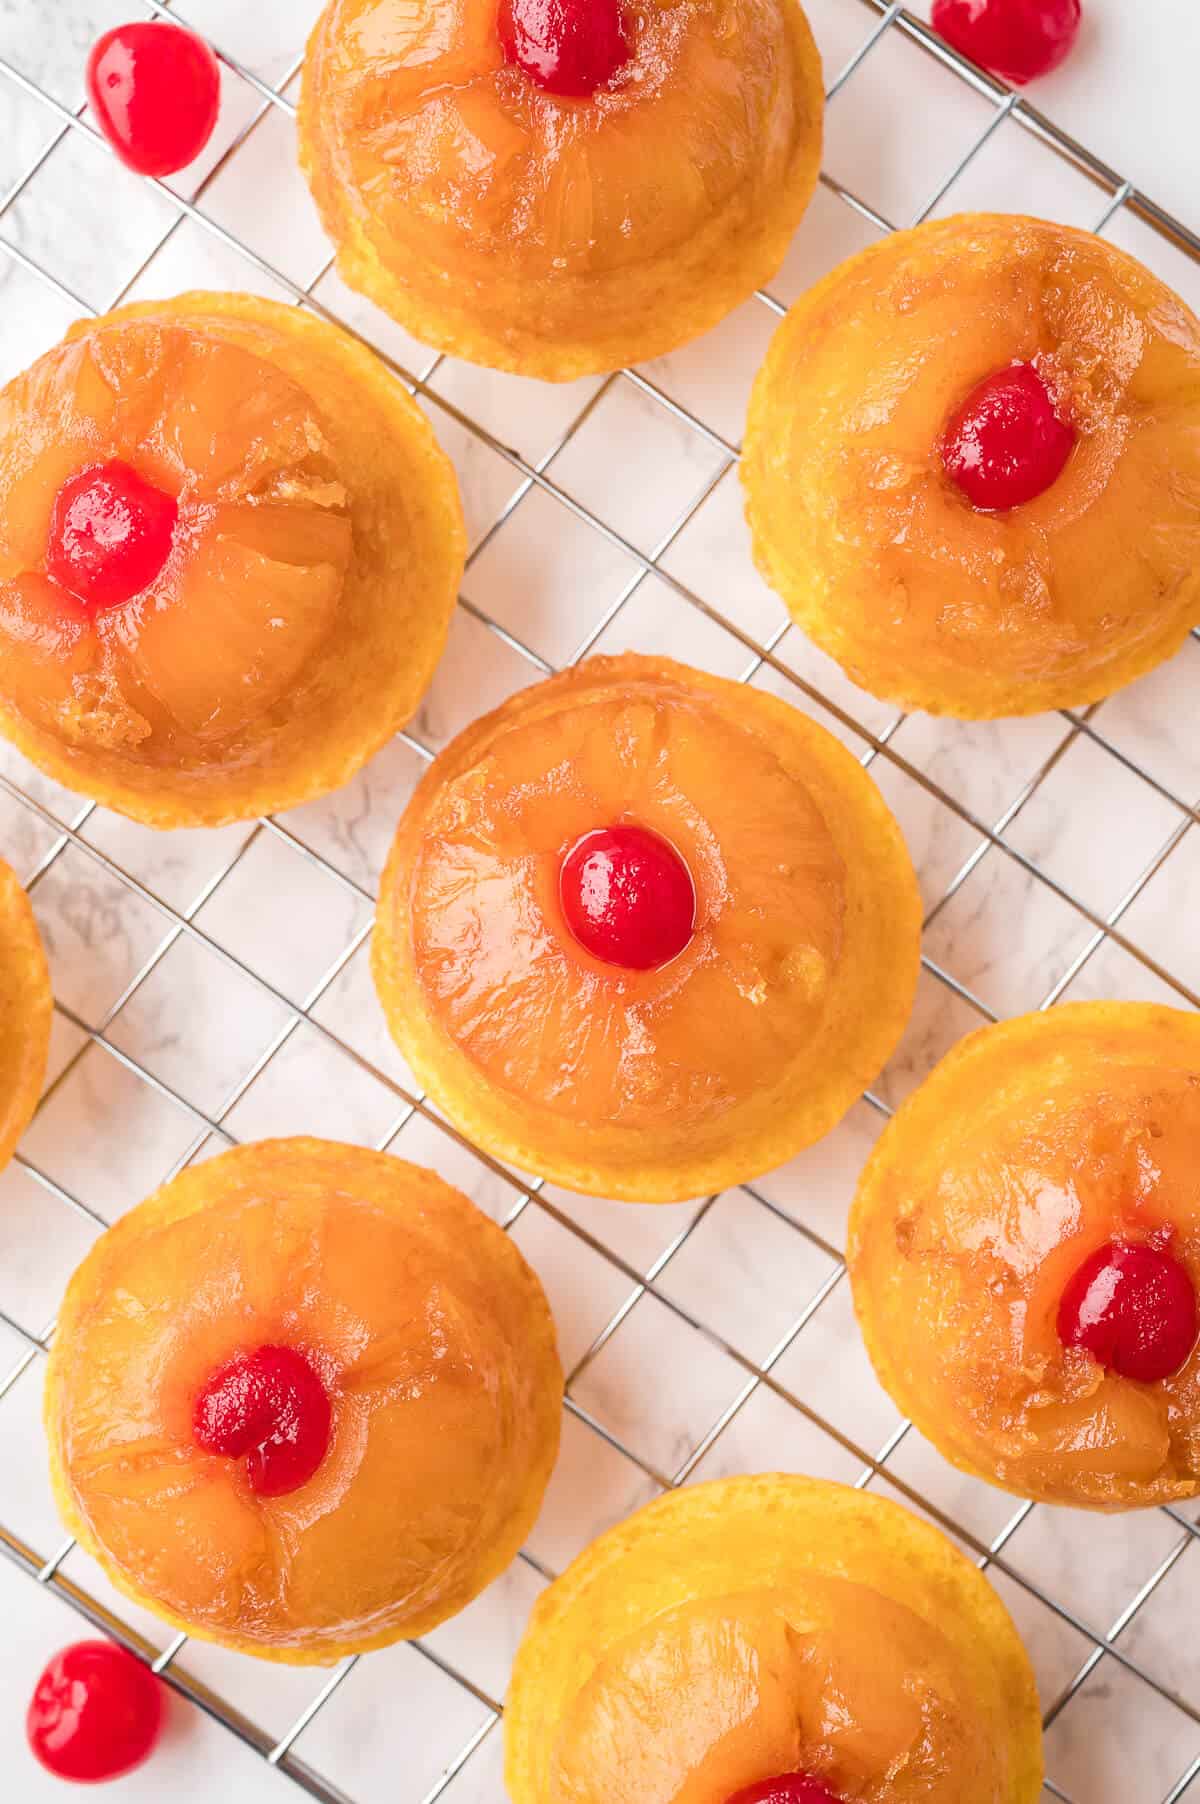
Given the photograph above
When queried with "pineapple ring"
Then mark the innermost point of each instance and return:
(308, 591)
(26, 1008)
(657, 1085)
(558, 237)
(431, 1336)
(735, 1631)
(1031, 1145)
(921, 598)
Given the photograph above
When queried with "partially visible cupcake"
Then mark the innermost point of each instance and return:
(304, 1401)
(26, 1008)
(558, 189)
(973, 467)
(646, 932)
(1025, 1256)
(772, 1640)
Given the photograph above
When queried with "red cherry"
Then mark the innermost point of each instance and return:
(270, 1408)
(110, 534)
(788, 1788)
(1006, 444)
(95, 1713)
(1016, 39)
(1133, 1307)
(628, 897)
(569, 47)
(156, 93)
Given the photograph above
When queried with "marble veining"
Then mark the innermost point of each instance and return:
(169, 1042)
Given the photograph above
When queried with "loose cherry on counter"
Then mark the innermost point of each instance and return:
(271, 1409)
(156, 92)
(110, 534)
(788, 1788)
(568, 47)
(1006, 445)
(96, 1712)
(1016, 39)
(1134, 1308)
(628, 897)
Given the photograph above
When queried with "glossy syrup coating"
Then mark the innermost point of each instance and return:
(557, 234)
(432, 1341)
(882, 559)
(26, 1012)
(1033, 1148)
(669, 1082)
(736, 1632)
(300, 599)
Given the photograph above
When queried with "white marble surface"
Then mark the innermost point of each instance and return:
(180, 1035)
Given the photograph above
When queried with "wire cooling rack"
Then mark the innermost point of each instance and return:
(213, 987)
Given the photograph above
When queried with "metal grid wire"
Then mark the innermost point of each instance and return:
(1105, 1642)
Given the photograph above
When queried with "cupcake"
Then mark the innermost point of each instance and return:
(26, 1007)
(973, 467)
(772, 1640)
(1025, 1251)
(646, 932)
(303, 1402)
(229, 548)
(558, 189)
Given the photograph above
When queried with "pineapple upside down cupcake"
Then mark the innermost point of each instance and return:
(304, 1401)
(229, 548)
(558, 187)
(646, 932)
(26, 1008)
(1025, 1252)
(772, 1640)
(973, 467)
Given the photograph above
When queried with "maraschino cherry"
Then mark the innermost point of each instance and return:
(568, 47)
(96, 1712)
(628, 897)
(271, 1409)
(110, 534)
(1006, 445)
(156, 92)
(1016, 39)
(1133, 1307)
(788, 1788)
